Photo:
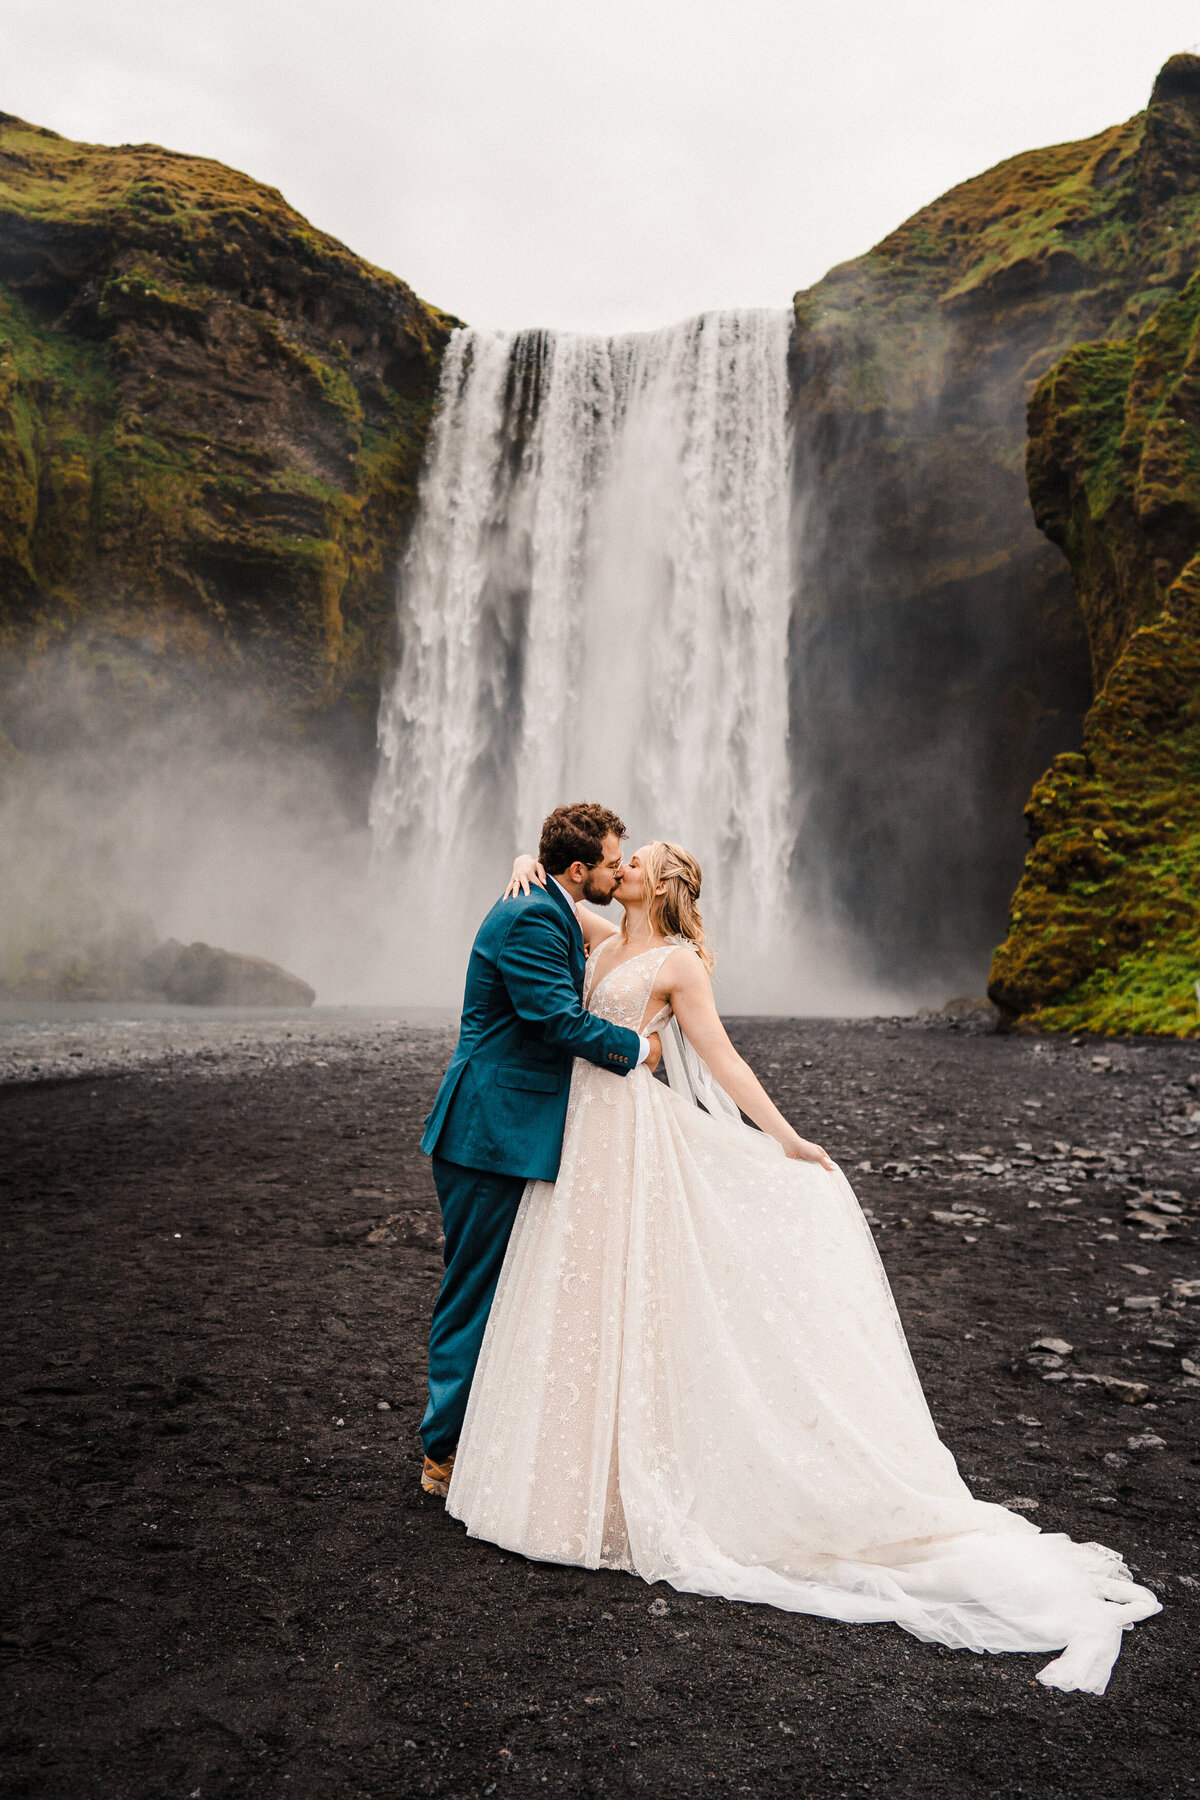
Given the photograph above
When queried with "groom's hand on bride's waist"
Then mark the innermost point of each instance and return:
(655, 1056)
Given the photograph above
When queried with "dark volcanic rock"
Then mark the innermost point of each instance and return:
(942, 659)
(222, 1574)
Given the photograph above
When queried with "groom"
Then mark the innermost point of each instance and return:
(500, 1112)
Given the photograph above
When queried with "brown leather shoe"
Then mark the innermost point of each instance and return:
(435, 1476)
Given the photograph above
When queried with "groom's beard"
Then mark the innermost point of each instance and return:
(596, 895)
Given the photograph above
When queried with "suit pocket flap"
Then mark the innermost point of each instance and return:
(538, 1081)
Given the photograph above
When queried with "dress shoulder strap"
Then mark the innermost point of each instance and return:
(655, 959)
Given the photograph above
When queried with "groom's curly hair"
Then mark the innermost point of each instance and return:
(576, 833)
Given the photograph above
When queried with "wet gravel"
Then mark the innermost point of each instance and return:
(222, 1579)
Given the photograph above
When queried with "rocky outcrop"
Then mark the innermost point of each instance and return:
(211, 422)
(199, 975)
(121, 959)
(941, 658)
(1104, 931)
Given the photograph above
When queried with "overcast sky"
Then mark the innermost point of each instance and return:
(596, 164)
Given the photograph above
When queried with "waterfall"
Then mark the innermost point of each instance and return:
(595, 605)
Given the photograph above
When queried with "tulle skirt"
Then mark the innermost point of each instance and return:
(694, 1371)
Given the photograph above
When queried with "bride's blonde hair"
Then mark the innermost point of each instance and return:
(672, 877)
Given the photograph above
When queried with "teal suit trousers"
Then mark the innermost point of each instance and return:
(479, 1209)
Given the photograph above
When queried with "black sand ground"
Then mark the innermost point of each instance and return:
(223, 1580)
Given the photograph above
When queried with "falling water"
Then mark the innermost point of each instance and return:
(595, 605)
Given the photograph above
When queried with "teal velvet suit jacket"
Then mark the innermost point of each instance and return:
(502, 1105)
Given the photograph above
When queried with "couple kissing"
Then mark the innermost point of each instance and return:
(664, 1341)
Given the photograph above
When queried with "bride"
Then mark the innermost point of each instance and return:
(694, 1369)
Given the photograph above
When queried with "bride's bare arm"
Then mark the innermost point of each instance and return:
(594, 928)
(691, 996)
(524, 870)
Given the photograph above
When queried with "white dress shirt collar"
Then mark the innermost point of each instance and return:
(571, 900)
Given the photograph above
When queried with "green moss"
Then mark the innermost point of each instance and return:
(1104, 932)
(1061, 244)
(913, 369)
(54, 393)
(211, 419)
(326, 380)
(1152, 993)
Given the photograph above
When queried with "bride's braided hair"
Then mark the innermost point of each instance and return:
(672, 877)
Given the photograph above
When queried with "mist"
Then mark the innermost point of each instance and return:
(569, 628)
(596, 603)
(200, 818)
(208, 826)
(847, 756)
(938, 656)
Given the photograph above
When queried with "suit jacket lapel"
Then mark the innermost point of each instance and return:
(578, 957)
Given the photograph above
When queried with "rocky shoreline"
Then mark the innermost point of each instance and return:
(161, 1042)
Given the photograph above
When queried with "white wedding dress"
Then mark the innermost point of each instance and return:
(694, 1370)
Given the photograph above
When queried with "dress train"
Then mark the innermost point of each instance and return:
(694, 1371)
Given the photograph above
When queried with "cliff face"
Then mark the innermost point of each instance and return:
(211, 421)
(1104, 932)
(942, 658)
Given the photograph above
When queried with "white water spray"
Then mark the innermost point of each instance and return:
(595, 605)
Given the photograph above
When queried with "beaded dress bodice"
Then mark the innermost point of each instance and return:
(621, 992)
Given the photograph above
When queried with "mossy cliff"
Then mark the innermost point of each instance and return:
(943, 658)
(211, 422)
(1104, 933)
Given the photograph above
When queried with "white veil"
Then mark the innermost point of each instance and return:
(689, 1075)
